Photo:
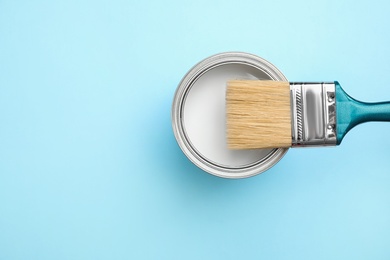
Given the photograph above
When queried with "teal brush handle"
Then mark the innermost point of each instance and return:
(351, 112)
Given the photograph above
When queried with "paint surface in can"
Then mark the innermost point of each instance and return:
(204, 115)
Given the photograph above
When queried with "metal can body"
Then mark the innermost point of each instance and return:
(198, 115)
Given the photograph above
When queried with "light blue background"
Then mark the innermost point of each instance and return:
(90, 169)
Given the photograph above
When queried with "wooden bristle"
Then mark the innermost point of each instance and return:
(258, 114)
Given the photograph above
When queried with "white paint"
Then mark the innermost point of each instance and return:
(205, 120)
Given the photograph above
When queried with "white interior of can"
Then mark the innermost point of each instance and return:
(204, 118)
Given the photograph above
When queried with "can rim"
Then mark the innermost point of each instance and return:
(182, 90)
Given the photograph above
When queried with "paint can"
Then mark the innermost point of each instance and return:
(199, 120)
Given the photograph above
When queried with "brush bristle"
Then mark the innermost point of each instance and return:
(258, 114)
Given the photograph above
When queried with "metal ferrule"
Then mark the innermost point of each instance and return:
(313, 109)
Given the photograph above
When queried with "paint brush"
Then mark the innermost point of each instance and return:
(278, 114)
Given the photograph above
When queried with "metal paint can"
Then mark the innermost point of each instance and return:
(198, 115)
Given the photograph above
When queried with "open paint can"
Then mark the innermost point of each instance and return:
(199, 120)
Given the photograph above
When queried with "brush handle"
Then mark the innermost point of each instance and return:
(351, 112)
